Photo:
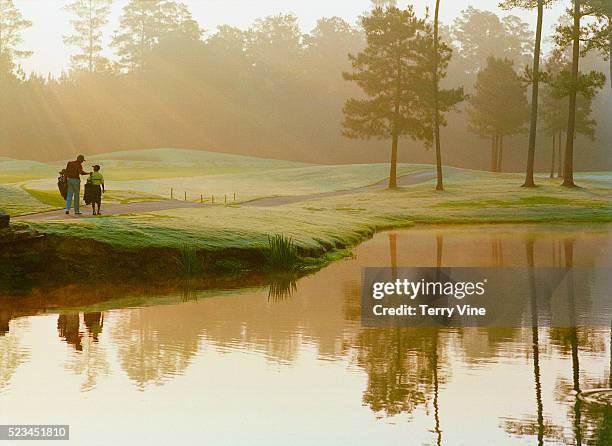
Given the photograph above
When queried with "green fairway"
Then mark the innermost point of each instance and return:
(316, 223)
(321, 224)
(158, 173)
(13, 171)
(15, 200)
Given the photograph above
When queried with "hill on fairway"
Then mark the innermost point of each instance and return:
(171, 163)
(146, 174)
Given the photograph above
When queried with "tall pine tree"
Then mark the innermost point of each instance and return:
(554, 109)
(497, 112)
(535, 85)
(395, 73)
(12, 24)
(573, 81)
(143, 23)
(90, 18)
(600, 32)
(441, 100)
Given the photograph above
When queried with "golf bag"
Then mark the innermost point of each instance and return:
(62, 183)
(89, 192)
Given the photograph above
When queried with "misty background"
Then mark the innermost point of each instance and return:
(270, 87)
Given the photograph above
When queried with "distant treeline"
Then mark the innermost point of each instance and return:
(270, 90)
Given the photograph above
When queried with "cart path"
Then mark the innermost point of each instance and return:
(110, 209)
(403, 180)
(162, 205)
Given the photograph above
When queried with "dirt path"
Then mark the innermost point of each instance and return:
(150, 206)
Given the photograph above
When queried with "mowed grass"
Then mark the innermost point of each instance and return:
(483, 197)
(15, 200)
(132, 176)
(151, 164)
(279, 182)
(14, 171)
(155, 174)
(322, 224)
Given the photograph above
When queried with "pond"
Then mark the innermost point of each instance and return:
(250, 366)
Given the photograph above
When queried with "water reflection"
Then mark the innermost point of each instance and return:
(282, 286)
(94, 323)
(69, 329)
(519, 383)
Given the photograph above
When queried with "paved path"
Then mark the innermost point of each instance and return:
(404, 180)
(110, 209)
(150, 206)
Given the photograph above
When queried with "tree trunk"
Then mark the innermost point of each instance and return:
(393, 168)
(610, 57)
(90, 50)
(494, 153)
(501, 153)
(534, 100)
(560, 152)
(440, 184)
(568, 162)
(554, 149)
(396, 129)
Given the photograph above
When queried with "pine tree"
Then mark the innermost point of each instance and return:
(394, 71)
(434, 64)
(498, 112)
(383, 3)
(553, 117)
(481, 34)
(573, 82)
(90, 18)
(529, 4)
(600, 32)
(436, 97)
(144, 22)
(12, 24)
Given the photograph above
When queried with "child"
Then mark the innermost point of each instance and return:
(97, 181)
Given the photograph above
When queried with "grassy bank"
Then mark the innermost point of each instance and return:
(322, 225)
(319, 226)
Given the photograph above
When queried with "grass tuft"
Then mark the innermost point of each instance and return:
(282, 253)
(189, 260)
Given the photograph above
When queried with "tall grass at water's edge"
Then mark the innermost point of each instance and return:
(281, 254)
(190, 261)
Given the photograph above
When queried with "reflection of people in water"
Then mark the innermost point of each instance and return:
(68, 327)
(5, 318)
(94, 323)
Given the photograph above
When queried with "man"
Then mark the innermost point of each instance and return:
(74, 170)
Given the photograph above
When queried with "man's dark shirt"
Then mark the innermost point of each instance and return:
(74, 169)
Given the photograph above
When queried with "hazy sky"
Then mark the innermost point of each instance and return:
(50, 21)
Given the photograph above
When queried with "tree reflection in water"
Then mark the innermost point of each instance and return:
(69, 329)
(542, 428)
(156, 333)
(403, 364)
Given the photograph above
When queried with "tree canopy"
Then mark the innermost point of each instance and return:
(89, 18)
(12, 24)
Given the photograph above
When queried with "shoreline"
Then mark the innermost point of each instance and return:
(43, 261)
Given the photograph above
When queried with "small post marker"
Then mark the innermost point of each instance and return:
(212, 199)
(185, 196)
(171, 193)
(201, 199)
(225, 199)
(234, 196)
